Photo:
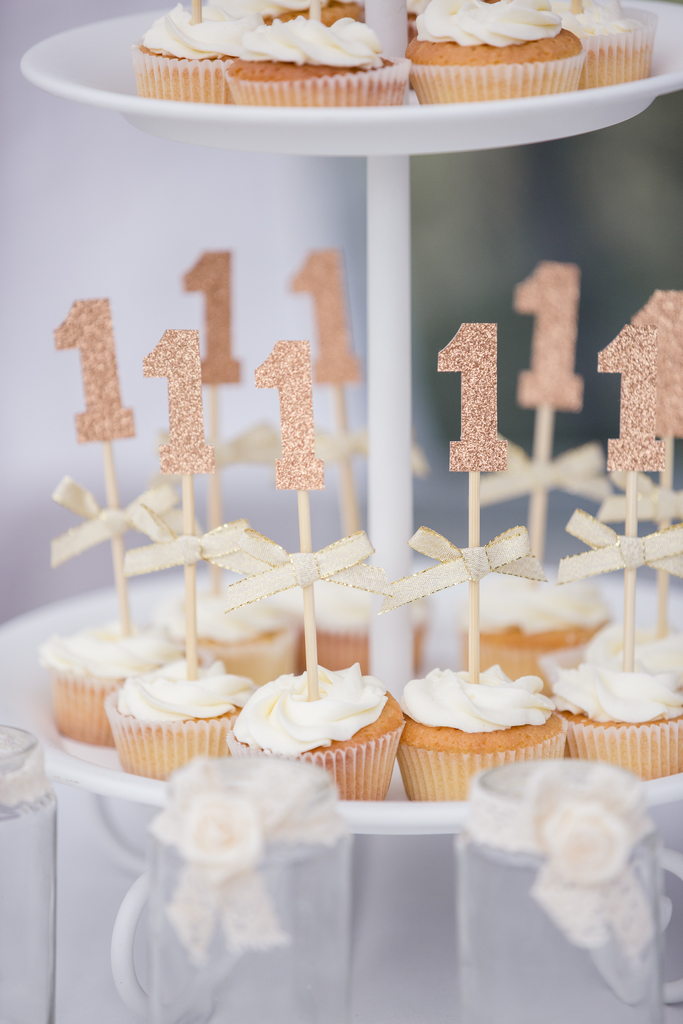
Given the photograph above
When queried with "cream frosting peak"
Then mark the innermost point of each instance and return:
(473, 22)
(508, 602)
(596, 19)
(346, 44)
(168, 696)
(266, 8)
(214, 623)
(217, 35)
(447, 698)
(605, 695)
(106, 654)
(652, 654)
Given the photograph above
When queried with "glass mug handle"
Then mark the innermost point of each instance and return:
(122, 943)
(672, 861)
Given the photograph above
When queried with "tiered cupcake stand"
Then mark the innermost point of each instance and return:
(91, 65)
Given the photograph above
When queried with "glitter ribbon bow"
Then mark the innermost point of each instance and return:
(220, 547)
(655, 503)
(578, 471)
(337, 563)
(508, 553)
(660, 550)
(100, 523)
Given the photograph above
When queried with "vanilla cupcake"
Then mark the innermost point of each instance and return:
(286, 10)
(455, 729)
(161, 720)
(303, 63)
(257, 641)
(352, 730)
(653, 654)
(180, 61)
(522, 621)
(631, 719)
(86, 667)
(469, 50)
(618, 45)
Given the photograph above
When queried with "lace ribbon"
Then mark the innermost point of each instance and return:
(220, 546)
(655, 503)
(660, 550)
(579, 471)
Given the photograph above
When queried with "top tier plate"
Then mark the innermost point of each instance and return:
(92, 65)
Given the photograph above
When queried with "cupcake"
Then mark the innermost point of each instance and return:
(630, 719)
(469, 50)
(618, 45)
(330, 12)
(257, 641)
(352, 730)
(180, 61)
(455, 729)
(303, 63)
(652, 654)
(522, 621)
(86, 667)
(160, 720)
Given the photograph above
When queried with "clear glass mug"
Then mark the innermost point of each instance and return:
(518, 966)
(28, 814)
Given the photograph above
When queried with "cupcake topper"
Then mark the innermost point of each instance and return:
(211, 275)
(633, 354)
(88, 328)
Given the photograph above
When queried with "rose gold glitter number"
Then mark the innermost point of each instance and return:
(211, 275)
(322, 276)
(633, 354)
(176, 357)
(88, 328)
(473, 352)
(551, 295)
(288, 368)
(664, 310)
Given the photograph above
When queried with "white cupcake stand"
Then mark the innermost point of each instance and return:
(92, 65)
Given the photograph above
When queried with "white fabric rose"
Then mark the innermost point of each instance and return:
(223, 833)
(585, 842)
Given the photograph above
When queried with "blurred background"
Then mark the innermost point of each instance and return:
(92, 208)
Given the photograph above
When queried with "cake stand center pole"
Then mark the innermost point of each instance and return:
(190, 582)
(666, 479)
(474, 540)
(390, 482)
(630, 530)
(117, 552)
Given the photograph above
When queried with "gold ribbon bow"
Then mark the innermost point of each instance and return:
(100, 523)
(579, 471)
(337, 563)
(655, 503)
(508, 553)
(219, 546)
(660, 550)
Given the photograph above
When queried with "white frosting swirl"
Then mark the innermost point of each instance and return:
(447, 698)
(608, 696)
(214, 623)
(266, 8)
(338, 609)
(653, 655)
(473, 22)
(167, 696)
(104, 653)
(280, 719)
(417, 6)
(217, 35)
(507, 601)
(597, 19)
(346, 44)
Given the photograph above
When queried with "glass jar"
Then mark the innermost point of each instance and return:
(27, 882)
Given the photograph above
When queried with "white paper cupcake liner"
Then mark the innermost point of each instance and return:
(384, 87)
(622, 57)
(470, 83)
(155, 749)
(261, 660)
(78, 703)
(651, 749)
(174, 78)
(362, 772)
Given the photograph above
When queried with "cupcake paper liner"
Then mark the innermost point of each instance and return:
(155, 749)
(468, 83)
(622, 57)
(174, 78)
(362, 772)
(651, 749)
(383, 87)
(261, 660)
(446, 775)
(79, 706)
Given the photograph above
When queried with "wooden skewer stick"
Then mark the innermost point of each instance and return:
(666, 479)
(315, 11)
(190, 582)
(544, 430)
(310, 635)
(196, 18)
(117, 550)
(215, 512)
(348, 500)
(473, 660)
(577, 7)
(630, 530)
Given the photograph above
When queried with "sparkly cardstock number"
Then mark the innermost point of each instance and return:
(288, 368)
(322, 276)
(551, 295)
(211, 275)
(88, 328)
(664, 310)
(176, 357)
(473, 352)
(633, 354)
